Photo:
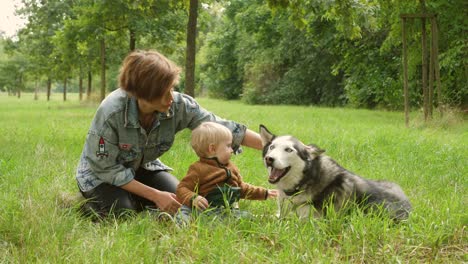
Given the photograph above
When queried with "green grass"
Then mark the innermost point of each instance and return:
(41, 143)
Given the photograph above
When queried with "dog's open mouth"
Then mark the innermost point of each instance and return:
(277, 174)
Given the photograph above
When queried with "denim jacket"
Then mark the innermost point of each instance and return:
(116, 145)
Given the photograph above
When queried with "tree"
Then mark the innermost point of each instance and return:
(34, 38)
(106, 28)
(14, 69)
(329, 52)
(191, 48)
(266, 58)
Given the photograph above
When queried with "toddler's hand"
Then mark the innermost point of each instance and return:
(200, 203)
(272, 194)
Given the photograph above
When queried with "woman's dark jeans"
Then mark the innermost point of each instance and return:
(108, 199)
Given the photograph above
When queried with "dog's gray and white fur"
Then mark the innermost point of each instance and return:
(308, 181)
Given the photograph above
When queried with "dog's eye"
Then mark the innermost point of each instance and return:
(271, 147)
(288, 150)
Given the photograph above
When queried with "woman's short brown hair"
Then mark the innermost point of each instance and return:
(148, 74)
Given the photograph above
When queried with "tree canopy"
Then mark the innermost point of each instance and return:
(329, 53)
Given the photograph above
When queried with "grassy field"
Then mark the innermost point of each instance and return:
(41, 143)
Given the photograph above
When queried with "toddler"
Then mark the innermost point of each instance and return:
(214, 181)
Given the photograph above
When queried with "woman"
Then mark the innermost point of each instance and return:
(119, 168)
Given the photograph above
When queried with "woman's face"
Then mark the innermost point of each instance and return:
(161, 104)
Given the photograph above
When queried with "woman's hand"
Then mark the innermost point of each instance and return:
(167, 202)
(200, 203)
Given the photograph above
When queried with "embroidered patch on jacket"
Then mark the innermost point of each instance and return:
(125, 146)
(102, 149)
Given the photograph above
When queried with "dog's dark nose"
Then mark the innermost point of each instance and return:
(269, 160)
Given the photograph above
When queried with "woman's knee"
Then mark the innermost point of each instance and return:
(161, 180)
(168, 182)
(107, 199)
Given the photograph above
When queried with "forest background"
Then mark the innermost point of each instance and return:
(332, 53)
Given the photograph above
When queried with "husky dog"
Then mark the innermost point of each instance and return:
(310, 181)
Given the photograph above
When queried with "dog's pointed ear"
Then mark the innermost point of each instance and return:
(266, 135)
(314, 150)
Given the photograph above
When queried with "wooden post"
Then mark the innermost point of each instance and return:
(405, 72)
(430, 94)
(434, 62)
(424, 69)
(435, 41)
(424, 51)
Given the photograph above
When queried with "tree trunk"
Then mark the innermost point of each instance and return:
(132, 40)
(80, 84)
(103, 69)
(191, 49)
(36, 92)
(90, 82)
(65, 89)
(20, 83)
(49, 87)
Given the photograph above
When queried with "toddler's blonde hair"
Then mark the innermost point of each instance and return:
(208, 133)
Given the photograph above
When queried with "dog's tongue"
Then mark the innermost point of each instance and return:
(275, 174)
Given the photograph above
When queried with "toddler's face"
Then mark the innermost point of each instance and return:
(224, 151)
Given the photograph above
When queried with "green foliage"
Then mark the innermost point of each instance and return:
(223, 80)
(36, 41)
(453, 25)
(371, 83)
(13, 67)
(331, 52)
(62, 38)
(265, 52)
(272, 60)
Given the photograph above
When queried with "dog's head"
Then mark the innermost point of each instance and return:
(286, 157)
